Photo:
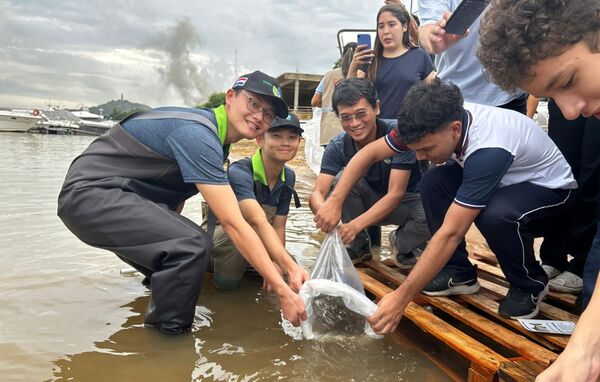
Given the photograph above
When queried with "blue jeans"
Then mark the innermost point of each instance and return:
(592, 266)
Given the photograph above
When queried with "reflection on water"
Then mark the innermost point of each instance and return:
(67, 313)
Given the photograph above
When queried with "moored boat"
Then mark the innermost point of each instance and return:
(18, 120)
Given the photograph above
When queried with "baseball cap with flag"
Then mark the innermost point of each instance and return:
(267, 86)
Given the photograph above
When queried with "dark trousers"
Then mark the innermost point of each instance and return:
(514, 216)
(168, 248)
(592, 267)
(579, 142)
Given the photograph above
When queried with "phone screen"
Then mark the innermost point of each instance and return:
(364, 39)
(465, 15)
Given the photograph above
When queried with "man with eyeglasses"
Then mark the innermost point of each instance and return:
(125, 192)
(386, 194)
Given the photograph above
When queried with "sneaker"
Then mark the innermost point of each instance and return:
(405, 261)
(402, 260)
(358, 257)
(452, 281)
(550, 271)
(521, 304)
(566, 282)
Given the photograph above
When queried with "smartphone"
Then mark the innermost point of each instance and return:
(465, 15)
(364, 39)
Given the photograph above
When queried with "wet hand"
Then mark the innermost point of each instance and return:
(292, 307)
(348, 232)
(388, 314)
(439, 39)
(328, 216)
(297, 277)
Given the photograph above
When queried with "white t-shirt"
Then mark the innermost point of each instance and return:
(524, 151)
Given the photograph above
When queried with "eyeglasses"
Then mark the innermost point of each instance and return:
(255, 107)
(349, 117)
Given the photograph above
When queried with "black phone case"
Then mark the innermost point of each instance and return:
(465, 15)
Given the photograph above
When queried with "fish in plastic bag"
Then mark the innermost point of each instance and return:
(334, 296)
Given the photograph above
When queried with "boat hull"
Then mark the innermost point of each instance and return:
(17, 122)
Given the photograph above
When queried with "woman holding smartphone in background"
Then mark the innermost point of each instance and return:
(397, 62)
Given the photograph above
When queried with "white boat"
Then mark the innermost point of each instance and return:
(57, 121)
(92, 124)
(18, 120)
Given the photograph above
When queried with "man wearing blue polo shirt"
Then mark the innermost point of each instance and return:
(264, 187)
(125, 191)
(386, 194)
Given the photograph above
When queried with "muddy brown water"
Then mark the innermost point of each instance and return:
(67, 313)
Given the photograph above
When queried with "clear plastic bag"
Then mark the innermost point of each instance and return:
(333, 263)
(334, 296)
(313, 152)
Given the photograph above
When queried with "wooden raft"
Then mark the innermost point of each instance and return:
(511, 353)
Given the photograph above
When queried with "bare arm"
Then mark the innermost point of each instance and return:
(430, 77)
(330, 212)
(273, 241)
(222, 201)
(580, 361)
(382, 208)
(434, 39)
(317, 100)
(439, 250)
(317, 197)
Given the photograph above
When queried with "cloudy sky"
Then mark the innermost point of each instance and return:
(72, 52)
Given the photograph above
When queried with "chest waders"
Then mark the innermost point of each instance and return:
(121, 196)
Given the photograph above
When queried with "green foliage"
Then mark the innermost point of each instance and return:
(118, 114)
(115, 108)
(215, 100)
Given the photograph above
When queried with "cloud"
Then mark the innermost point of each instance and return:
(158, 52)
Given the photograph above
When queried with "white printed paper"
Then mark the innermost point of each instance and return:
(548, 326)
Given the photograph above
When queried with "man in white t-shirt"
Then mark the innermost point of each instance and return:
(507, 177)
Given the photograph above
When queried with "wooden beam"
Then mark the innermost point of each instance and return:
(484, 302)
(498, 333)
(469, 348)
(523, 371)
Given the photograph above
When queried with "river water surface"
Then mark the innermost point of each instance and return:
(69, 313)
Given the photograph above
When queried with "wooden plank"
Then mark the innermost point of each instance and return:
(565, 298)
(498, 333)
(522, 371)
(469, 348)
(439, 362)
(483, 301)
(476, 374)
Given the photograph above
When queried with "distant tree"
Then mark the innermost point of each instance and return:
(214, 100)
(338, 63)
(118, 115)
